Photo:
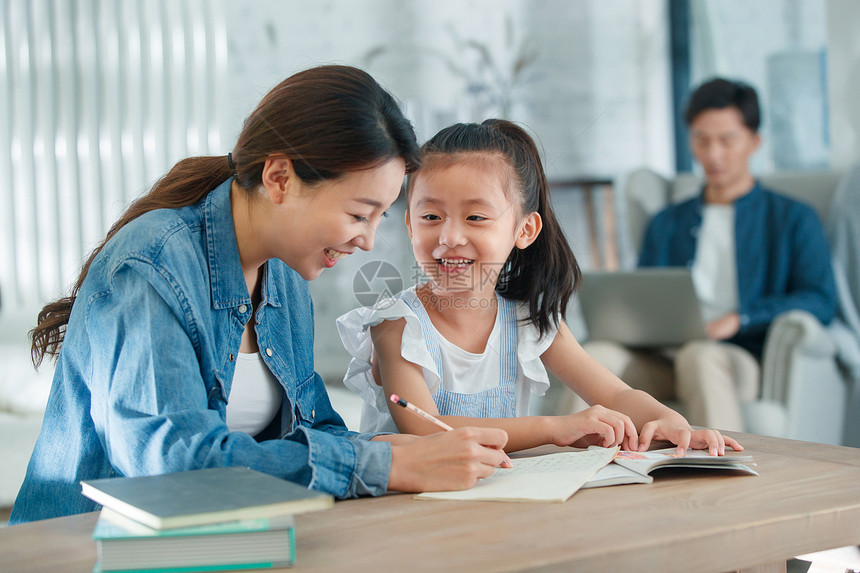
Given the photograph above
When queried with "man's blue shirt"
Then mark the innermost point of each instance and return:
(144, 374)
(783, 260)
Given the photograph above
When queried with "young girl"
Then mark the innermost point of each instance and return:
(472, 343)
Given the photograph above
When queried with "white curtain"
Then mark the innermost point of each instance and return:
(97, 100)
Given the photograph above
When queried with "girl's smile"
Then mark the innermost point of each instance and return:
(454, 265)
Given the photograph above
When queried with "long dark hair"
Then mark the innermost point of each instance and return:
(328, 120)
(545, 274)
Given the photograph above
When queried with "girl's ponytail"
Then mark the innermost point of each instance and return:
(545, 274)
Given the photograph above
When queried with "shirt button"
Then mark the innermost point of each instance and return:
(268, 352)
(231, 357)
(313, 413)
(243, 308)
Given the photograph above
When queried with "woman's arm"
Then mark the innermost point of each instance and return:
(398, 376)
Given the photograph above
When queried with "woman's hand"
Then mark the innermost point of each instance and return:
(596, 426)
(686, 437)
(446, 461)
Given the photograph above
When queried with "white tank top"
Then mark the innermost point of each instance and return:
(255, 396)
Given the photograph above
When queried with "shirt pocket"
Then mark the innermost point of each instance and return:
(304, 408)
(216, 390)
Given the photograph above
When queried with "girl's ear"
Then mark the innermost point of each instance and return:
(278, 176)
(408, 224)
(529, 229)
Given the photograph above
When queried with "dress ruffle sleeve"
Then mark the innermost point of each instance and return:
(354, 330)
(529, 349)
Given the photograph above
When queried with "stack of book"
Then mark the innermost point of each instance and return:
(216, 519)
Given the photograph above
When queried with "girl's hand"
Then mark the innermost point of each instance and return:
(686, 437)
(596, 426)
(447, 460)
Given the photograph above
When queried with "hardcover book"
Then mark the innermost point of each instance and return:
(126, 545)
(199, 497)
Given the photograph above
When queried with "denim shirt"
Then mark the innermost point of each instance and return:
(783, 260)
(144, 374)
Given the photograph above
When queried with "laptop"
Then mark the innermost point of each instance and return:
(643, 308)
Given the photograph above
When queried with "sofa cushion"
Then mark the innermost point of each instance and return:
(23, 389)
(19, 436)
(815, 188)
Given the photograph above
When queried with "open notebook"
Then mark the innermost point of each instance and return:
(551, 477)
(554, 477)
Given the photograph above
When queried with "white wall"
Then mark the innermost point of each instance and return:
(843, 45)
(777, 46)
(596, 94)
(97, 100)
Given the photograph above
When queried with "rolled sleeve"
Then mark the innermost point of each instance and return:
(345, 467)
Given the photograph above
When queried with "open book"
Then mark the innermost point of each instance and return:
(637, 467)
(555, 477)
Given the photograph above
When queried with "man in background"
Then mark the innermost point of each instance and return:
(753, 253)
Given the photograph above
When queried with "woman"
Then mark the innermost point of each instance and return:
(187, 341)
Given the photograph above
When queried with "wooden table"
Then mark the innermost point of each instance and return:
(806, 499)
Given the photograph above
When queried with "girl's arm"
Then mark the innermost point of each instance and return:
(596, 385)
(399, 376)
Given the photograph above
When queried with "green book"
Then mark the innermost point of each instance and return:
(125, 545)
(199, 497)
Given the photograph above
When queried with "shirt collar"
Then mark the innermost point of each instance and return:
(225, 268)
(750, 197)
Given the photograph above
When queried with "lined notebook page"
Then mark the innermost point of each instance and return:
(553, 477)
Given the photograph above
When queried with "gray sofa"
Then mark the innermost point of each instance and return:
(23, 394)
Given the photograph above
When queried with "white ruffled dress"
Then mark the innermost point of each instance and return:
(496, 383)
